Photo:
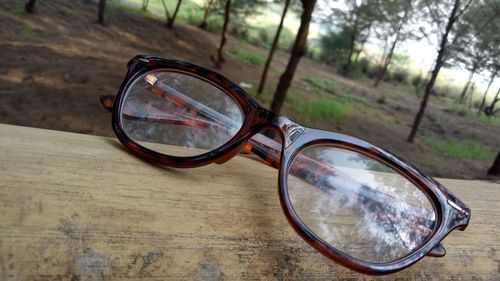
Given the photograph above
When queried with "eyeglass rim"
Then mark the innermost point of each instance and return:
(431, 189)
(254, 120)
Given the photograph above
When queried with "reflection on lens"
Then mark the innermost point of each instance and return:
(358, 205)
(178, 115)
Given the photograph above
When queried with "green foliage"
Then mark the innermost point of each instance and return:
(401, 59)
(248, 56)
(399, 75)
(191, 13)
(215, 24)
(381, 99)
(461, 149)
(476, 45)
(364, 64)
(417, 81)
(314, 52)
(335, 46)
(322, 108)
(369, 68)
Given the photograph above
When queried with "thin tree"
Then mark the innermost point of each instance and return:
(100, 12)
(145, 4)
(208, 9)
(465, 89)
(30, 6)
(360, 49)
(396, 24)
(170, 23)
(483, 100)
(273, 48)
(167, 13)
(169, 19)
(454, 15)
(495, 167)
(475, 46)
(490, 110)
(220, 52)
(357, 21)
(298, 50)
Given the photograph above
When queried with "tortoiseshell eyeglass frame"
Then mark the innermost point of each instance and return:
(450, 212)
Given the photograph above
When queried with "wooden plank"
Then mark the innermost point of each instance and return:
(79, 207)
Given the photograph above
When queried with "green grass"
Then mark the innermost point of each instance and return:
(132, 9)
(461, 149)
(248, 56)
(28, 32)
(323, 108)
(18, 9)
(278, 71)
(318, 84)
(190, 11)
(493, 120)
(344, 93)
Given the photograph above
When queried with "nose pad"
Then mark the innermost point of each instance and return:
(437, 252)
(107, 101)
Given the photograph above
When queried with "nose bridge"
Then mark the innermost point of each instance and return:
(289, 129)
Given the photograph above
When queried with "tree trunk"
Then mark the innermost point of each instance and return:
(298, 50)
(439, 63)
(466, 87)
(483, 100)
(220, 52)
(490, 110)
(170, 23)
(167, 13)
(100, 13)
(210, 5)
(358, 52)
(30, 6)
(145, 4)
(495, 168)
(347, 66)
(388, 58)
(470, 94)
(273, 48)
(387, 61)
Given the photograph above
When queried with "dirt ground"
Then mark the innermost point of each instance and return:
(55, 64)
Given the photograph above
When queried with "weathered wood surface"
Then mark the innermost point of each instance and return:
(79, 207)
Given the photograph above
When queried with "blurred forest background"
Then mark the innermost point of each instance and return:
(419, 78)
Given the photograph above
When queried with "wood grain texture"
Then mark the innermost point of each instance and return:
(79, 207)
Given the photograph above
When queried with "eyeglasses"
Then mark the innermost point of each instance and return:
(357, 204)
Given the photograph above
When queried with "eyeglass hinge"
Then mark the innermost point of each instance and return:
(292, 132)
